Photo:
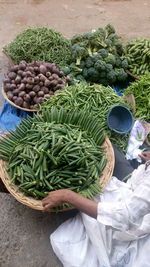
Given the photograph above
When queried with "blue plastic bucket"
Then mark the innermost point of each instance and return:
(120, 119)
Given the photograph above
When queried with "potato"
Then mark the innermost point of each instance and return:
(32, 93)
(18, 79)
(19, 101)
(12, 75)
(55, 76)
(51, 92)
(14, 98)
(28, 74)
(25, 104)
(48, 74)
(43, 69)
(13, 87)
(6, 80)
(29, 86)
(36, 69)
(30, 80)
(31, 69)
(16, 92)
(60, 81)
(36, 79)
(59, 86)
(42, 77)
(10, 95)
(45, 90)
(61, 74)
(47, 96)
(22, 93)
(27, 98)
(54, 83)
(22, 87)
(47, 83)
(40, 100)
(20, 72)
(24, 80)
(35, 99)
(7, 87)
(36, 88)
(22, 66)
(41, 83)
(40, 93)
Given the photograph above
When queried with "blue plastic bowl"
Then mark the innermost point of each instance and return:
(120, 119)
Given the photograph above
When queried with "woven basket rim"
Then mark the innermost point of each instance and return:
(37, 204)
(13, 104)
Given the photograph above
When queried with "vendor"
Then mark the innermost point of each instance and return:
(112, 230)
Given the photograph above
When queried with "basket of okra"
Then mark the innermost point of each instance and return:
(55, 151)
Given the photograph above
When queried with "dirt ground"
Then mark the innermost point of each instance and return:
(24, 233)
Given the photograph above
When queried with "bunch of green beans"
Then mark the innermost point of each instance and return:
(95, 99)
(138, 56)
(46, 155)
(40, 44)
(141, 91)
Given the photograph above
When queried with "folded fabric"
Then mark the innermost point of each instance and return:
(10, 117)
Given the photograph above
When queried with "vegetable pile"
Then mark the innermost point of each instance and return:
(141, 91)
(96, 99)
(97, 56)
(40, 44)
(55, 151)
(29, 84)
(138, 55)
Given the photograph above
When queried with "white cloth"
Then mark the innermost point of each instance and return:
(119, 237)
(138, 134)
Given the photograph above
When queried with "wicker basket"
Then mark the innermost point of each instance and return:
(13, 104)
(37, 204)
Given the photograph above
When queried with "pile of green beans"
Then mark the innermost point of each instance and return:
(95, 99)
(44, 156)
(138, 56)
(141, 91)
(40, 44)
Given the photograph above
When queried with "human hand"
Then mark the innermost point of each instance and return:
(81, 203)
(55, 198)
(145, 155)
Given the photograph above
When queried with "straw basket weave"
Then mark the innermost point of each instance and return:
(13, 104)
(37, 204)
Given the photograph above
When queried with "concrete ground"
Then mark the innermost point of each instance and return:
(24, 233)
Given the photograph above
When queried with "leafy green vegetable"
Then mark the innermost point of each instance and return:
(99, 54)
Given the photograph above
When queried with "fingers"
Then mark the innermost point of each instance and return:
(46, 201)
(47, 207)
(142, 157)
(145, 155)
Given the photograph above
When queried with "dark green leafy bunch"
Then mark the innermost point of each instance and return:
(99, 55)
(55, 151)
(101, 38)
(40, 44)
(138, 56)
(141, 91)
(96, 99)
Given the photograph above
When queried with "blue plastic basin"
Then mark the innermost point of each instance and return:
(120, 119)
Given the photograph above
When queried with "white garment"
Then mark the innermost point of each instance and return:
(120, 237)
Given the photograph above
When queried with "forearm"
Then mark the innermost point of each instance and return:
(81, 203)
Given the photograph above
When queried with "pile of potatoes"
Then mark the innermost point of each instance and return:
(29, 84)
